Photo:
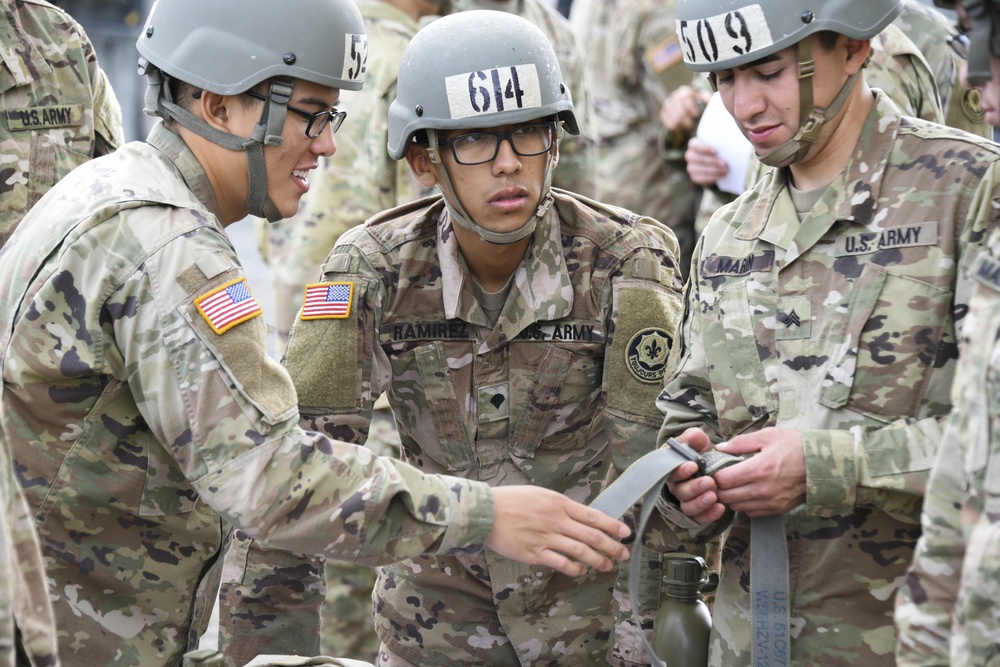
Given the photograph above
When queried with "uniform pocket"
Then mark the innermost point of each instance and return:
(432, 392)
(891, 343)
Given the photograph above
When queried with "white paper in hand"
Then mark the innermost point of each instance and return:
(718, 129)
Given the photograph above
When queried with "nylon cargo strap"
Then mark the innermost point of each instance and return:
(643, 481)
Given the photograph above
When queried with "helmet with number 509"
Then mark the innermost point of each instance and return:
(476, 69)
(722, 34)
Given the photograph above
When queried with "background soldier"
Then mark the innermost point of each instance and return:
(820, 329)
(633, 63)
(520, 331)
(57, 105)
(140, 408)
(946, 612)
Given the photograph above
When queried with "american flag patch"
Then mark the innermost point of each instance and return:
(327, 301)
(225, 307)
(664, 54)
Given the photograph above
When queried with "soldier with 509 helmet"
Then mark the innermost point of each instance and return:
(522, 333)
(820, 330)
(138, 404)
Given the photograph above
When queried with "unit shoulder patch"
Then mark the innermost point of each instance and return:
(646, 354)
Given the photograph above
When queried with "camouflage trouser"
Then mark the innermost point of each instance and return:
(276, 602)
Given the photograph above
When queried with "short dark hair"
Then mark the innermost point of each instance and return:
(183, 94)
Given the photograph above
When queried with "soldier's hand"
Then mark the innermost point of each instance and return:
(682, 109)
(772, 481)
(704, 166)
(538, 526)
(696, 495)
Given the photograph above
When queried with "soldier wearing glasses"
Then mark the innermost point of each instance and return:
(521, 332)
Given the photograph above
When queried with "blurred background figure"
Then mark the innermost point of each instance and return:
(633, 63)
(58, 107)
(946, 611)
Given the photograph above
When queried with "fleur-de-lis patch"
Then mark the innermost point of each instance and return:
(647, 352)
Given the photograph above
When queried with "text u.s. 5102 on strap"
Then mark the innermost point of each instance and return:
(643, 481)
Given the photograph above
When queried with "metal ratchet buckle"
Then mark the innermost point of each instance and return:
(709, 463)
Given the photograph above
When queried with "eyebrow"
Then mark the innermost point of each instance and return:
(314, 101)
(757, 63)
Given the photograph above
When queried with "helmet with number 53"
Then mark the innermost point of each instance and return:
(718, 35)
(219, 46)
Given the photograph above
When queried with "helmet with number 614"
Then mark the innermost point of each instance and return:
(722, 34)
(452, 78)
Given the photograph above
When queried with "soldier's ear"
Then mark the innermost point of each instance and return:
(216, 110)
(420, 164)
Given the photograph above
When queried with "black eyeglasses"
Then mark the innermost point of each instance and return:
(482, 146)
(317, 121)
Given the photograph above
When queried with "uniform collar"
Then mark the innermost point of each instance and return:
(852, 197)
(174, 148)
(541, 291)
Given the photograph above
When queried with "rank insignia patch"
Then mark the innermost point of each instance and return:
(327, 301)
(225, 307)
(647, 354)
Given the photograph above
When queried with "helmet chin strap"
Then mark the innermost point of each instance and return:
(459, 215)
(796, 148)
(267, 132)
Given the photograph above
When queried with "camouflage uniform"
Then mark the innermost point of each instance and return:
(138, 432)
(577, 154)
(842, 327)
(947, 609)
(360, 181)
(560, 388)
(26, 622)
(57, 109)
(631, 171)
(946, 51)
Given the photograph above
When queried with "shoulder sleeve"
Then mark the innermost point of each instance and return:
(645, 310)
(227, 414)
(331, 354)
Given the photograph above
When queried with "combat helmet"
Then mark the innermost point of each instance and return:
(723, 34)
(229, 46)
(478, 69)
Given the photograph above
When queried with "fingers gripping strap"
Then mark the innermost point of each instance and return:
(643, 480)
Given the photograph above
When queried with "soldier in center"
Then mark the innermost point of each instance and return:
(522, 333)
